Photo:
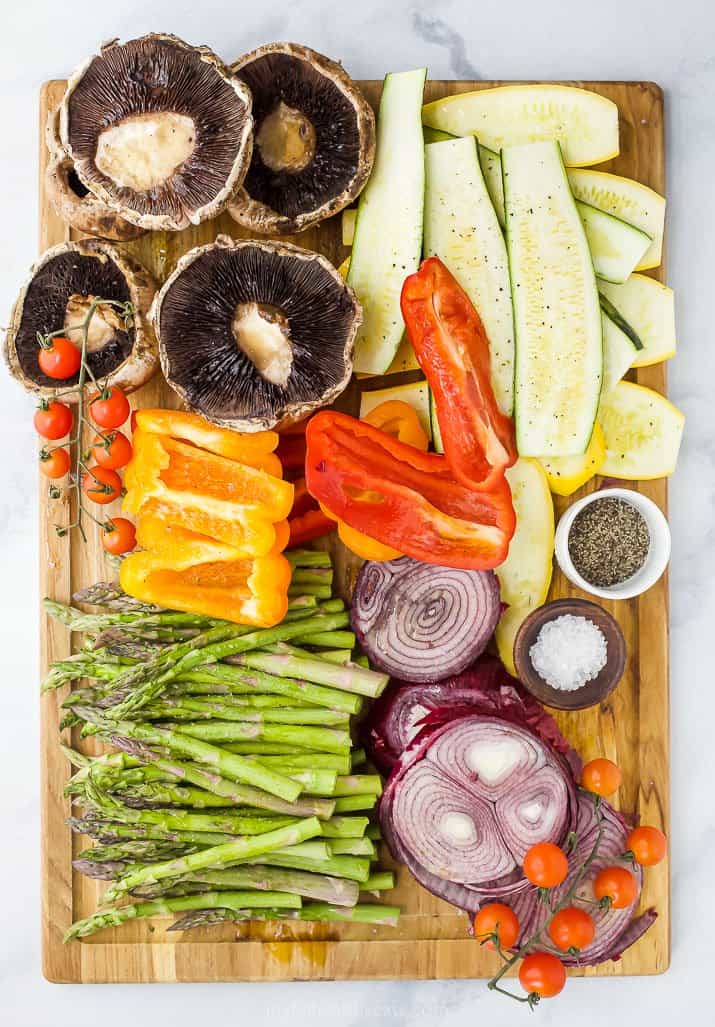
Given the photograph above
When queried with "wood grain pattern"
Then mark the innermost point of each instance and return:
(431, 940)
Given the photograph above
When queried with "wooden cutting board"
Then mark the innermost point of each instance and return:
(431, 941)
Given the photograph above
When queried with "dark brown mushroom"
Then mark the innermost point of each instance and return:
(158, 130)
(57, 295)
(255, 334)
(314, 140)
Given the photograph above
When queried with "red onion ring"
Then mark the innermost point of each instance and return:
(421, 622)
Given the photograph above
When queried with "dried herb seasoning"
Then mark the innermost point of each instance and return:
(608, 542)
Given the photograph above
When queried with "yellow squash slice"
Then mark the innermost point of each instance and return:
(642, 431)
(525, 575)
(584, 123)
(565, 474)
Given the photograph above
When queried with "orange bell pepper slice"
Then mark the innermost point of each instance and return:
(400, 420)
(242, 591)
(246, 448)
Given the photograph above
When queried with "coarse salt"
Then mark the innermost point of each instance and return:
(568, 652)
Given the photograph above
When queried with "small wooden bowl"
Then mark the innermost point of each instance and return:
(593, 691)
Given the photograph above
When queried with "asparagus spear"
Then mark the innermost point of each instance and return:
(165, 907)
(262, 878)
(350, 677)
(218, 856)
(339, 762)
(224, 710)
(381, 880)
(351, 868)
(363, 913)
(241, 681)
(353, 803)
(322, 739)
(308, 558)
(344, 827)
(352, 847)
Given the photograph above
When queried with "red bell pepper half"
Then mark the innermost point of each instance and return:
(405, 498)
(451, 345)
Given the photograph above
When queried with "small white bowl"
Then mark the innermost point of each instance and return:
(658, 554)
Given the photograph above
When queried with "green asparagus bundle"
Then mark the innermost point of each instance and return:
(232, 791)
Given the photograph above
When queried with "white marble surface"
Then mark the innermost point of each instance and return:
(614, 39)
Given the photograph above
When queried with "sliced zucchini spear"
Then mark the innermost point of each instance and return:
(559, 346)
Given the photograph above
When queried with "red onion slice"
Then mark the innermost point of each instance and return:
(467, 768)
(404, 709)
(421, 622)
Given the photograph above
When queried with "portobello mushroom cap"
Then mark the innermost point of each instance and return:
(255, 334)
(57, 295)
(159, 130)
(72, 200)
(314, 140)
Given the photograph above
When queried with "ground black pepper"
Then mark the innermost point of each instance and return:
(608, 541)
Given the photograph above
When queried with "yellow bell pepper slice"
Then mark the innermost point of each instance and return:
(246, 448)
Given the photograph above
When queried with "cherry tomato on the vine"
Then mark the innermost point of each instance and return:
(119, 536)
(496, 918)
(53, 420)
(545, 865)
(617, 884)
(101, 485)
(543, 974)
(55, 464)
(114, 450)
(61, 359)
(648, 845)
(601, 776)
(109, 409)
(572, 928)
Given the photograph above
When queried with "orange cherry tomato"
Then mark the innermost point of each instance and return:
(114, 451)
(102, 485)
(617, 884)
(496, 918)
(109, 410)
(119, 536)
(648, 845)
(55, 464)
(61, 359)
(545, 865)
(601, 776)
(53, 420)
(572, 928)
(542, 974)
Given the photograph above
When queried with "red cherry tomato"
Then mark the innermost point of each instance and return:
(545, 865)
(55, 464)
(542, 974)
(648, 845)
(119, 536)
(617, 884)
(61, 359)
(110, 410)
(115, 452)
(53, 421)
(101, 485)
(496, 918)
(601, 776)
(572, 928)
